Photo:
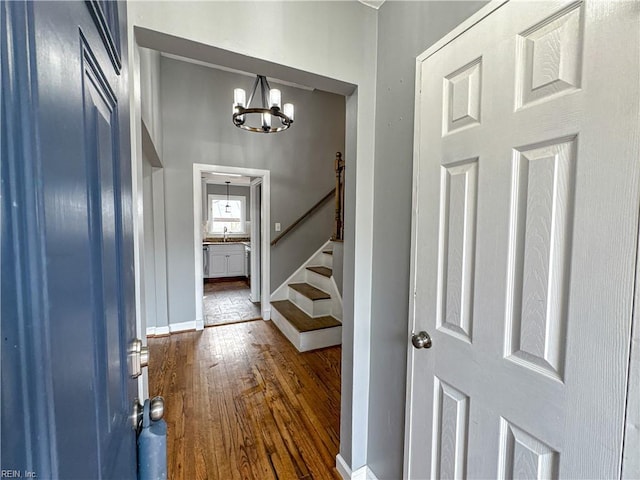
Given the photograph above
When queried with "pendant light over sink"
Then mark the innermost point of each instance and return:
(227, 208)
(261, 120)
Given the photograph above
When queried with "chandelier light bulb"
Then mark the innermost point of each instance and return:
(288, 110)
(239, 97)
(274, 98)
(266, 121)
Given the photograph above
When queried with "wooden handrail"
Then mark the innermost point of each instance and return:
(303, 217)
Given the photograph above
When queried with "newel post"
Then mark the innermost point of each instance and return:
(338, 232)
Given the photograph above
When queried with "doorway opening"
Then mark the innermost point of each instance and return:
(341, 404)
(232, 258)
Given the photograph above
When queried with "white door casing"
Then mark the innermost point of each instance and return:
(526, 201)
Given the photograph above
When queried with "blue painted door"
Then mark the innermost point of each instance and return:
(67, 293)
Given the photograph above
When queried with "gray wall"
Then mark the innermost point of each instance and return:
(149, 244)
(405, 29)
(150, 109)
(196, 119)
(234, 191)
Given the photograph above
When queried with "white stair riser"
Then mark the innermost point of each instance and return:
(286, 328)
(313, 308)
(326, 260)
(327, 337)
(336, 309)
(318, 281)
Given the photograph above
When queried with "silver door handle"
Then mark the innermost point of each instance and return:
(137, 358)
(421, 340)
(156, 411)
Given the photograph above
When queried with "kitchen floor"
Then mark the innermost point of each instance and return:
(227, 301)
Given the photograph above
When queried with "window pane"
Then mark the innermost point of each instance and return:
(231, 217)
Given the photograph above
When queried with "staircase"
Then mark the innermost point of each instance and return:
(307, 308)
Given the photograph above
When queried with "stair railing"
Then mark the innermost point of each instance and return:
(303, 217)
(338, 232)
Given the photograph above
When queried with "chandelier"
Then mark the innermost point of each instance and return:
(260, 120)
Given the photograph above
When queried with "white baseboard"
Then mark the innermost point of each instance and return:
(199, 324)
(343, 468)
(266, 313)
(160, 331)
(174, 328)
(363, 473)
(182, 327)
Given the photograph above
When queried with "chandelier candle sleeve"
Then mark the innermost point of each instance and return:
(274, 98)
(288, 110)
(239, 97)
(266, 121)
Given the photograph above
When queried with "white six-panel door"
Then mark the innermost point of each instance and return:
(525, 236)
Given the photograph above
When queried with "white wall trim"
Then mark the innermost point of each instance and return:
(255, 239)
(363, 473)
(158, 331)
(181, 327)
(343, 469)
(371, 475)
(460, 29)
(137, 194)
(162, 331)
(265, 248)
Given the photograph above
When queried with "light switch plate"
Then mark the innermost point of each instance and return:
(278, 227)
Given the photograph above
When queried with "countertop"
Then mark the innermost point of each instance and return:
(216, 240)
(241, 241)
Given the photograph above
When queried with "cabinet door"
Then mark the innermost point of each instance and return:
(217, 265)
(235, 264)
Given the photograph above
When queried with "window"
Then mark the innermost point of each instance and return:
(233, 217)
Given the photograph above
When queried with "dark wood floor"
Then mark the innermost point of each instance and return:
(242, 403)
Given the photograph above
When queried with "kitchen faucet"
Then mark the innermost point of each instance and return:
(224, 237)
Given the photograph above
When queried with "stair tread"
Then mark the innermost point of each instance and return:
(328, 252)
(324, 271)
(300, 320)
(309, 291)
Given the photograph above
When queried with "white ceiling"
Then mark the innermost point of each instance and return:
(182, 47)
(372, 3)
(232, 70)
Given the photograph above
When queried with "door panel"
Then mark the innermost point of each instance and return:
(72, 209)
(525, 238)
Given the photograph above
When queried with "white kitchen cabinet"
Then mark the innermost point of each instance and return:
(236, 264)
(226, 260)
(217, 264)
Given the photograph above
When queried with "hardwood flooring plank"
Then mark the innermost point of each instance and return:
(242, 403)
